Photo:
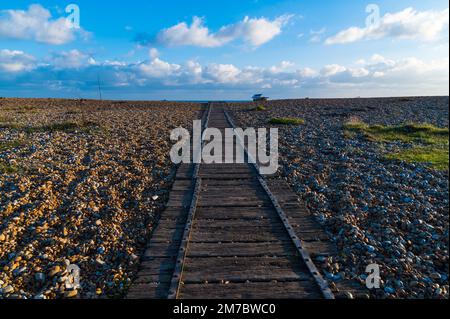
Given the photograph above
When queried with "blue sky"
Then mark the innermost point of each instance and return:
(205, 50)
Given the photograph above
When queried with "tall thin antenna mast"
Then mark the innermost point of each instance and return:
(99, 88)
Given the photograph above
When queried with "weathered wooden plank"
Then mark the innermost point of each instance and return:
(218, 213)
(227, 198)
(157, 265)
(167, 235)
(174, 213)
(147, 278)
(179, 200)
(225, 168)
(252, 290)
(161, 249)
(231, 191)
(320, 248)
(233, 203)
(247, 224)
(226, 176)
(241, 269)
(241, 249)
(149, 291)
(243, 235)
(233, 182)
(182, 185)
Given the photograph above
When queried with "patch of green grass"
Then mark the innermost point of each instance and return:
(355, 125)
(8, 169)
(260, 108)
(6, 123)
(287, 121)
(437, 157)
(408, 133)
(430, 144)
(4, 146)
(65, 126)
(3, 119)
(54, 127)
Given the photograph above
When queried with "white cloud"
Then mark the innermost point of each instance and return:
(359, 72)
(406, 24)
(375, 75)
(379, 59)
(223, 73)
(153, 53)
(16, 61)
(72, 59)
(253, 31)
(182, 34)
(283, 66)
(307, 73)
(378, 74)
(194, 71)
(158, 68)
(332, 69)
(316, 36)
(36, 24)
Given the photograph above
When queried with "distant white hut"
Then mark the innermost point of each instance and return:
(259, 97)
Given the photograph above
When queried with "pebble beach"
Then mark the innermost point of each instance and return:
(390, 213)
(82, 183)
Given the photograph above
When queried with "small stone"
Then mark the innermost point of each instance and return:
(8, 289)
(39, 277)
(55, 270)
(155, 198)
(19, 271)
(371, 249)
(98, 222)
(99, 261)
(2, 237)
(70, 294)
(389, 290)
(435, 276)
(348, 295)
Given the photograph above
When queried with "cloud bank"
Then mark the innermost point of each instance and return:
(252, 31)
(406, 24)
(74, 70)
(36, 24)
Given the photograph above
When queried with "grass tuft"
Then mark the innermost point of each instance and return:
(54, 127)
(8, 169)
(4, 146)
(430, 144)
(437, 157)
(287, 121)
(408, 133)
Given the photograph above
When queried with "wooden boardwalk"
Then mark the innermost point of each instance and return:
(229, 233)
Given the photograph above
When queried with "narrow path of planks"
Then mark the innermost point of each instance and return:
(222, 237)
